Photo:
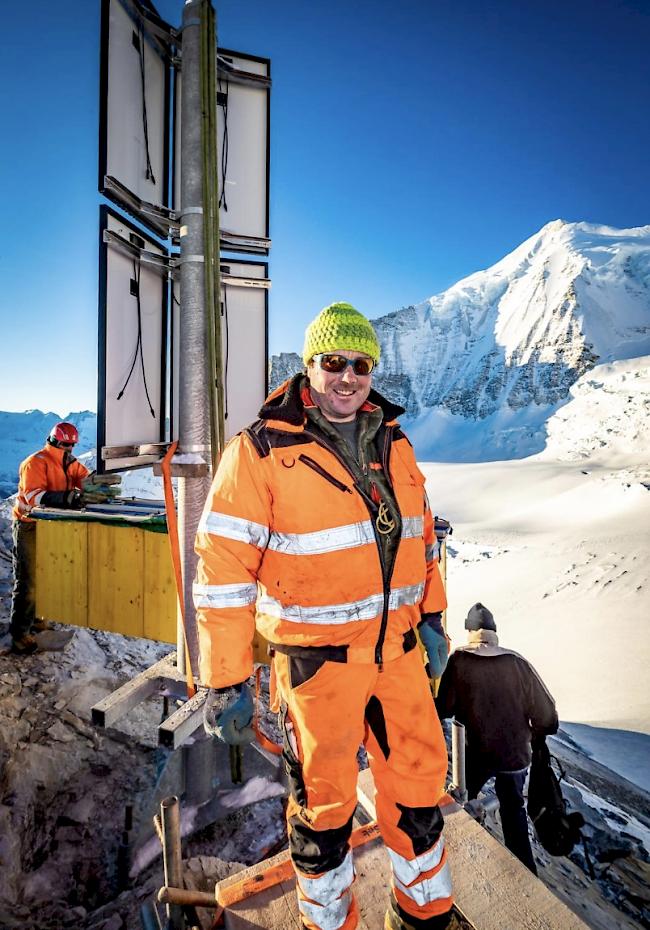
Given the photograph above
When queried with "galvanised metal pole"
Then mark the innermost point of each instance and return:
(170, 816)
(458, 760)
(194, 387)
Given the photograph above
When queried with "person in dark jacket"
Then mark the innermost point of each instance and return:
(503, 704)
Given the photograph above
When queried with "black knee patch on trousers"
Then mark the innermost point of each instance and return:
(316, 851)
(377, 723)
(422, 825)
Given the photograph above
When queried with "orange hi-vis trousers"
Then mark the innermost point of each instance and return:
(327, 709)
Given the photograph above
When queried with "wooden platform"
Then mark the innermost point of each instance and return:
(493, 890)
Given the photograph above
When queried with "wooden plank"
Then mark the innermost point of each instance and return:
(62, 571)
(278, 906)
(159, 589)
(115, 579)
(492, 889)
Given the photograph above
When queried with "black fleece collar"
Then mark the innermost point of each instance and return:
(289, 408)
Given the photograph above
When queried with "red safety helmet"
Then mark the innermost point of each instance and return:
(63, 433)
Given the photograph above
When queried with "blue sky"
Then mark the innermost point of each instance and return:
(412, 144)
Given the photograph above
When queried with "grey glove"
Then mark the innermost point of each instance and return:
(228, 713)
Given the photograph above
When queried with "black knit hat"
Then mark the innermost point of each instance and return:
(480, 618)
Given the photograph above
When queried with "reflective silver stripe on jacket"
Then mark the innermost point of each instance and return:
(337, 537)
(330, 540)
(366, 609)
(246, 531)
(432, 552)
(224, 595)
(412, 527)
(328, 894)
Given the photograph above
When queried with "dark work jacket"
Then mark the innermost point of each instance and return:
(500, 699)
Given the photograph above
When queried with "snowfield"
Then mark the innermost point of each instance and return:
(556, 545)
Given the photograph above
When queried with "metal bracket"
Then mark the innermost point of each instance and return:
(249, 78)
(124, 452)
(162, 220)
(233, 281)
(232, 241)
(159, 31)
(159, 262)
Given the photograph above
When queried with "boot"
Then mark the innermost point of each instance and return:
(398, 919)
(24, 645)
(40, 625)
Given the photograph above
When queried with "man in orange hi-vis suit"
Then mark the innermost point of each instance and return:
(317, 529)
(51, 477)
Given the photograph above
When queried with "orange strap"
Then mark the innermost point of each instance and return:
(283, 871)
(172, 532)
(263, 740)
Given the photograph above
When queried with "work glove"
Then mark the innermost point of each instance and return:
(434, 640)
(98, 489)
(66, 500)
(228, 713)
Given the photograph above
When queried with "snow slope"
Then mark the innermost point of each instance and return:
(556, 546)
(24, 433)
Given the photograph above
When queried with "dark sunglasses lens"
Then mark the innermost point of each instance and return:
(333, 363)
(363, 366)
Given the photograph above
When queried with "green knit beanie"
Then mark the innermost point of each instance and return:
(340, 326)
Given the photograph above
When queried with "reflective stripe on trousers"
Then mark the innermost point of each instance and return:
(325, 900)
(424, 879)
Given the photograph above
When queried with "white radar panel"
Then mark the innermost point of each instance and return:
(132, 394)
(244, 339)
(134, 122)
(243, 146)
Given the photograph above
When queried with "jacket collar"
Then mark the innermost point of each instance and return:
(485, 643)
(286, 403)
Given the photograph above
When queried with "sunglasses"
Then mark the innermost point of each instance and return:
(335, 364)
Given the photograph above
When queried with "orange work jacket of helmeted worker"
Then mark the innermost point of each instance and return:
(288, 540)
(51, 469)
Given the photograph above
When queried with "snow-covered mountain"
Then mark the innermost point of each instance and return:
(481, 367)
(26, 432)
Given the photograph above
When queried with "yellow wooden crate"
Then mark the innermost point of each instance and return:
(115, 578)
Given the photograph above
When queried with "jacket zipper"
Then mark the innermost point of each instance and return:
(372, 509)
(388, 440)
(323, 473)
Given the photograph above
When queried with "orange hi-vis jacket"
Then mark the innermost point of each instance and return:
(51, 469)
(288, 541)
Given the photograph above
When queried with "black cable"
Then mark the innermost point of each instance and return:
(145, 126)
(138, 344)
(224, 314)
(224, 146)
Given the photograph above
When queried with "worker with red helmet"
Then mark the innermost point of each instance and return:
(50, 478)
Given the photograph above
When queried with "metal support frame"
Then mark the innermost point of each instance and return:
(458, 788)
(161, 219)
(170, 817)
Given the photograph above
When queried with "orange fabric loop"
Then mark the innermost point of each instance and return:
(172, 532)
(263, 740)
